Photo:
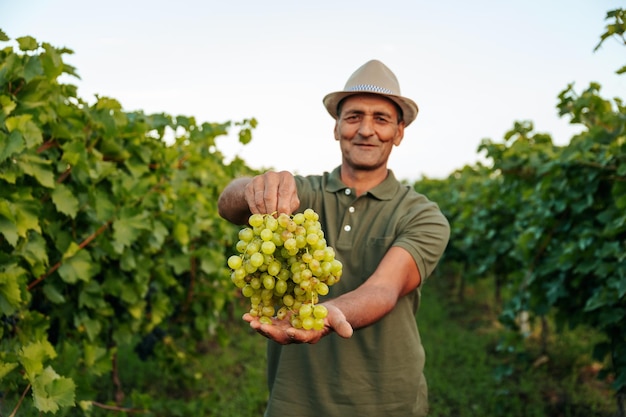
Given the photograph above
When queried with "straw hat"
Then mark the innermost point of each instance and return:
(373, 77)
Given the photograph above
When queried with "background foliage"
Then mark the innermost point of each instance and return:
(109, 232)
(111, 245)
(548, 223)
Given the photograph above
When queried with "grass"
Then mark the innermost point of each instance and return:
(221, 379)
(476, 368)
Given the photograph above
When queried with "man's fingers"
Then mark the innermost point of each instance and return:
(288, 200)
(341, 326)
(337, 320)
(344, 329)
(272, 192)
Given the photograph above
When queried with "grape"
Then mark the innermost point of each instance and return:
(321, 288)
(310, 214)
(234, 262)
(280, 287)
(266, 234)
(269, 282)
(256, 259)
(318, 324)
(306, 310)
(308, 322)
(268, 248)
(274, 267)
(255, 220)
(320, 311)
(283, 266)
(247, 291)
(282, 313)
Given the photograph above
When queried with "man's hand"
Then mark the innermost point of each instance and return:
(282, 332)
(272, 192)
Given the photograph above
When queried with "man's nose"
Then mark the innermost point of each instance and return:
(366, 127)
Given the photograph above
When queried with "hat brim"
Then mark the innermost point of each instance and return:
(409, 107)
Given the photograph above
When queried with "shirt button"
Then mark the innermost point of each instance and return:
(348, 191)
(347, 228)
(351, 209)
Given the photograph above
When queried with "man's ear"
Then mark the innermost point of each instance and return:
(336, 131)
(399, 134)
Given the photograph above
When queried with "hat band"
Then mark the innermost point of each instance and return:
(370, 87)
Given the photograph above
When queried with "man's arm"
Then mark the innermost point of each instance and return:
(396, 276)
(271, 192)
(232, 204)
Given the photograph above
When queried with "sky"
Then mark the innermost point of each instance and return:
(473, 67)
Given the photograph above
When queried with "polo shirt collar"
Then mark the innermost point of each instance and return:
(383, 191)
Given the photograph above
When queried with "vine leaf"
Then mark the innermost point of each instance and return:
(64, 200)
(52, 391)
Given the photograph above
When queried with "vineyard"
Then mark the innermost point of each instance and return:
(111, 243)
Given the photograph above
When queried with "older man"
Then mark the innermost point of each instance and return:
(368, 360)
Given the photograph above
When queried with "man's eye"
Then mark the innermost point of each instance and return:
(352, 118)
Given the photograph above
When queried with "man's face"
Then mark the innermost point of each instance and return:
(367, 129)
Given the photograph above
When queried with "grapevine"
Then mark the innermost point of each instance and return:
(283, 266)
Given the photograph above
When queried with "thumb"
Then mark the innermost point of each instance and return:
(341, 326)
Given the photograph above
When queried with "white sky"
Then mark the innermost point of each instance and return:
(473, 67)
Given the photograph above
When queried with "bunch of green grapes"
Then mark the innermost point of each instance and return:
(283, 266)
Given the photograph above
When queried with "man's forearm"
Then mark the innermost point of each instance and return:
(232, 204)
(365, 305)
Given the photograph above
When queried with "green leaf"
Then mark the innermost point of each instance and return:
(52, 392)
(78, 267)
(105, 209)
(26, 213)
(181, 233)
(73, 152)
(7, 105)
(137, 310)
(53, 294)
(8, 226)
(97, 358)
(181, 263)
(51, 61)
(619, 193)
(599, 299)
(64, 200)
(72, 249)
(159, 233)
(91, 296)
(29, 130)
(127, 228)
(11, 145)
(91, 326)
(32, 68)
(10, 173)
(6, 367)
(34, 251)
(33, 356)
(27, 43)
(10, 293)
(38, 168)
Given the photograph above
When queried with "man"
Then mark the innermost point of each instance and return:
(368, 360)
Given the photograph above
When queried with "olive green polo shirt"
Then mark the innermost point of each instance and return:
(379, 370)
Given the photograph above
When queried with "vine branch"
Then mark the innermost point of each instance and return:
(19, 403)
(82, 245)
